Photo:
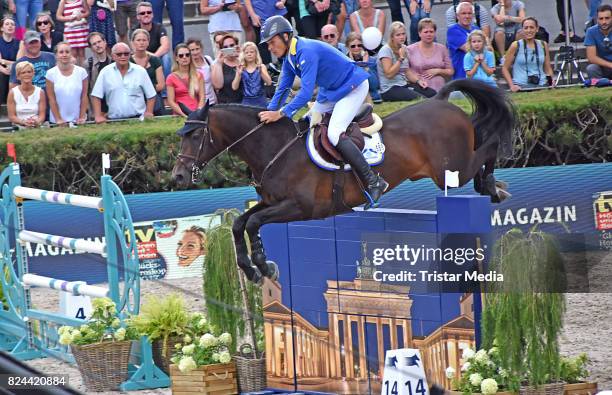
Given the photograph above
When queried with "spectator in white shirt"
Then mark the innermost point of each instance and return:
(126, 86)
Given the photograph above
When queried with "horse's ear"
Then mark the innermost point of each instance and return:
(199, 116)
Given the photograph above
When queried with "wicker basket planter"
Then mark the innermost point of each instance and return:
(580, 389)
(251, 370)
(545, 389)
(163, 361)
(218, 379)
(478, 393)
(103, 366)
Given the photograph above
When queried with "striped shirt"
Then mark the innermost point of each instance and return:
(75, 32)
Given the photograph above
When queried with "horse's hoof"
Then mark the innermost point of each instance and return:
(257, 278)
(501, 184)
(273, 272)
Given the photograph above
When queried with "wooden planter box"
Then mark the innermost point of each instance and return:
(218, 379)
(580, 389)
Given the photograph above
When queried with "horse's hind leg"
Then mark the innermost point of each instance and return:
(242, 257)
(484, 180)
(286, 211)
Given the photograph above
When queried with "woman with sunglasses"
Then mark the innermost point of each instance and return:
(9, 48)
(366, 62)
(101, 19)
(223, 71)
(185, 85)
(67, 88)
(49, 38)
(151, 63)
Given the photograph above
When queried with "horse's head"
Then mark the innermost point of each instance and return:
(196, 147)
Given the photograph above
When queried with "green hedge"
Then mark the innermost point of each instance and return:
(555, 127)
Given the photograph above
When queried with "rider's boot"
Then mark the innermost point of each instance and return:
(373, 182)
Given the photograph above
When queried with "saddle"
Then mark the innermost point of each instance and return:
(365, 123)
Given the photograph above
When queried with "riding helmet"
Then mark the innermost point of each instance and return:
(273, 26)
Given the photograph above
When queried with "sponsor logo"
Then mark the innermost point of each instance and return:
(535, 215)
(602, 210)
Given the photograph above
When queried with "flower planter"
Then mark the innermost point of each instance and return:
(580, 389)
(162, 356)
(103, 366)
(546, 389)
(218, 379)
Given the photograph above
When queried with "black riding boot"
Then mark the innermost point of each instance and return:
(374, 183)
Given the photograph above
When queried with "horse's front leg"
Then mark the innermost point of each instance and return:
(285, 211)
(242, 256)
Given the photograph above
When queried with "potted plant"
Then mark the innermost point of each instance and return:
(164, 321)
(481, 373)
(226, 286)
(202, 364)
(524, 313)
(575, 373)
(101, 347)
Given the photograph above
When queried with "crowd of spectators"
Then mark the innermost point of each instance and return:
(136, 69)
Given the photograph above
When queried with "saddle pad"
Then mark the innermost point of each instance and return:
(373, 151)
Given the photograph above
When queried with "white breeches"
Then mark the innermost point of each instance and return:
(343, 111)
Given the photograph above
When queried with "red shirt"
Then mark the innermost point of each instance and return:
(181, 91)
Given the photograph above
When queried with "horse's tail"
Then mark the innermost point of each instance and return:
(494, 114)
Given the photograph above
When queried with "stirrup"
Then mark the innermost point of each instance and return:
(371, 203)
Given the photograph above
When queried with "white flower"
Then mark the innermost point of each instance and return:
(202, 322)
(65, 339)
(225, 339)
(481, 356)
(450, 372)
(493, 351)
(502, 372)
(488, 386)
(186, 364)
(475, 379)
(188, 350)
(116, 323)
(75, 335)
(208, 340)
(187, 339)
(64, 329)
(120, 334)
(178, 346)
(215, 357)
(465, 366)
(467, 354)
(225, 357)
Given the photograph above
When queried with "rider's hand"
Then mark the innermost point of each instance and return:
(270, 116)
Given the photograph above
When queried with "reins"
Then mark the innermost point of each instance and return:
(196, 169)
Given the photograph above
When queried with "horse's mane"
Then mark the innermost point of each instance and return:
(237, 106)
(285, 124)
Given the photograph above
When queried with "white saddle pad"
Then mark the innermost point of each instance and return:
(373, 151)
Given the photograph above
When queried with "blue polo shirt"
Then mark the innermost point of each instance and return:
(456, 36)
(594, 37)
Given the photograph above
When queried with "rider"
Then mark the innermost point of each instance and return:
(343, 87)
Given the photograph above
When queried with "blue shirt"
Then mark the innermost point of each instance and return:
(266, 8)
(594, 37)
(317, 64)
(480, 74)
(41, 64)
(9, 49)
(456, 37)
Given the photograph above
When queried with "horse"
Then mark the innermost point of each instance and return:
(422, 141)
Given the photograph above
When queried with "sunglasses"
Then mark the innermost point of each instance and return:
(183, 55)
(329, 36)
(229, 46)
(119, 54)
(40, 23)
(356, 46)
(145, 13)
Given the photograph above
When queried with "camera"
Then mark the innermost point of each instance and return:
(229, 51)
(533, 79)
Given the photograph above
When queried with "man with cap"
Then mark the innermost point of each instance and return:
(42, 61)
(343, 87)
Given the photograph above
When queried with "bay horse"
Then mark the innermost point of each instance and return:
(422, 141)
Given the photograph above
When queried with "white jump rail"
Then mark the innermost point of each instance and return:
(76, 288)
(59, 197)
(61, 241)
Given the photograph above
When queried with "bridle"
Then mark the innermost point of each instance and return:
(196, 168)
